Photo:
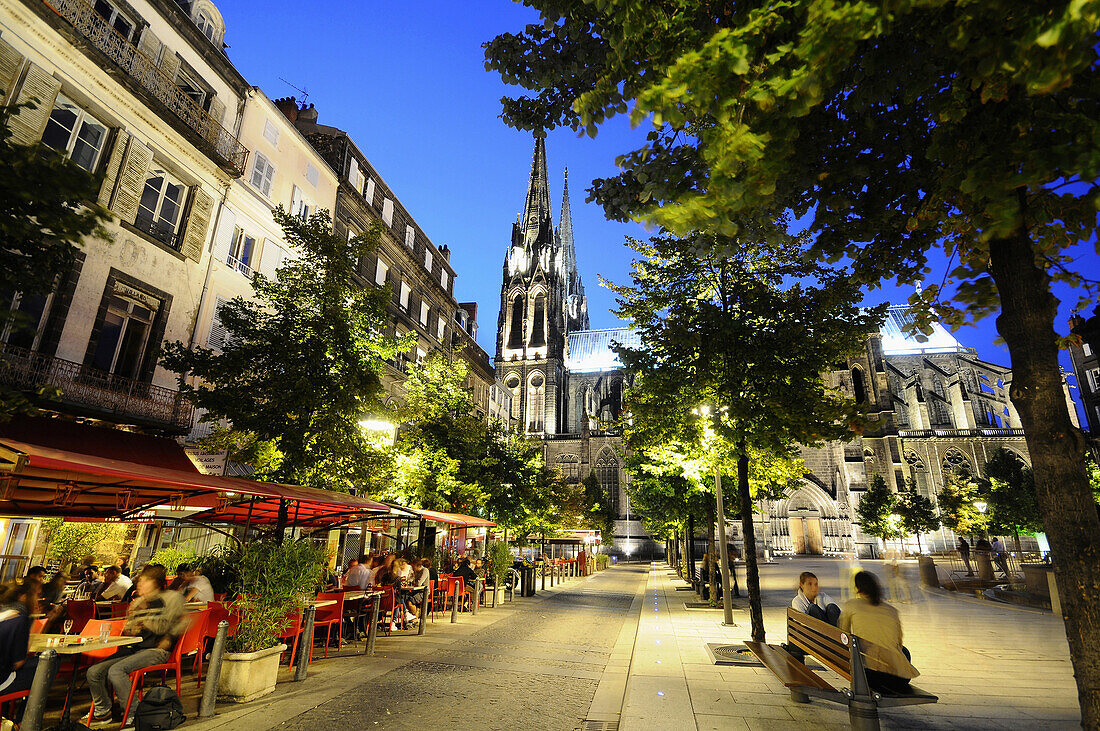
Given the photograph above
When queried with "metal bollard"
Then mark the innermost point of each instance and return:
(305, 647)
(454, 602)
(477, 594)
(544, 577)
(48, 662)
(372, 631)
(213, 671)
(423, 612)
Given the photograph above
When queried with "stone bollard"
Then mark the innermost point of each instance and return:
(477, 594)
(422, 628)
(454, 601)
(213, 671)
(48, 662)
(928, 575)
(372, 631)
(543, 578)
(305, 645)
(985, 565)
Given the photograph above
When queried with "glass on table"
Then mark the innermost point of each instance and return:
(67, 625)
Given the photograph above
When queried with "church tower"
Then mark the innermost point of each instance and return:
(541, 301)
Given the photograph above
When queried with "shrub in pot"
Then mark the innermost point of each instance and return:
(500, 560)
(272, 582)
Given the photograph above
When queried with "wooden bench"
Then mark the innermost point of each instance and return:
(843, 654)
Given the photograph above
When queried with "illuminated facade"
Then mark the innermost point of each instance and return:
(565, 382)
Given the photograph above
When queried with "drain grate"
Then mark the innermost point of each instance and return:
(731, 655)
(685, 588)
(699, 605)
(590, 725)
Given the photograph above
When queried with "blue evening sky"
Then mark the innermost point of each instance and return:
(407, 81)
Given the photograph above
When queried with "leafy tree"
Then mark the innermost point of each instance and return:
(956, 502)
(46, 209)
(302, 362)
(896, 130)
(877, 511)
(598, 513)
(748, 328)
(70, 542)
(917, 513)
(1013, 505)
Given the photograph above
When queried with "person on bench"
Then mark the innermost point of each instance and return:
(870, 618)
(814, 602)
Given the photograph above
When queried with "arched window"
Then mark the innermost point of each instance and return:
(538, 323)
(512, 384)
(569, 467)
(616, 398)
(940, 413)
(858, 388)
(901, 415)
(536, 397)
(607, 473)
(515, 325)
(957, 462)
(918, 473)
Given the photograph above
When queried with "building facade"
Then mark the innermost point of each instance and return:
(1086, 368)
(564, 380)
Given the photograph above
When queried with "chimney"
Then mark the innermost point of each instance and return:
(289, 107)
(445, 253)
(308, 115)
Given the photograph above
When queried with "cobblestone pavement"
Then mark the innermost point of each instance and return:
(537, 668)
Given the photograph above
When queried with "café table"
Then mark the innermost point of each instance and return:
(72, 645)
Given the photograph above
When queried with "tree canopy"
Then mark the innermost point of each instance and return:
(877, 512)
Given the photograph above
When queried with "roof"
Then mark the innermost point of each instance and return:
(591, 350)
(897, 340)
(452, 518)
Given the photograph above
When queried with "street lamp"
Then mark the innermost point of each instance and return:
(723, 556)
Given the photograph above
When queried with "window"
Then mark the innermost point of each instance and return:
(512, 384)
(159, 210)
(443, 279)
(440, 328)
(1093, 375)
(428, 259)
(405, 291)
(354, 176)
(271, 257)
(312, 174)
(607, 472)
(263, 172)
(115, 19)
(192, 88)
(387, 213)
(536, 392)
(299, 205)
(271, 132)
(538, 324)
(241, 252)
(75, 134)
(858, 389)
(515, 325)
(124, 333)
(424, 314)
(420, 355)
(380, 273)
(206, 26)
(1087, 348)
(368, 192)
(26, 332)
(410, 235)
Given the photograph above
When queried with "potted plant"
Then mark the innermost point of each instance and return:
(500, 560)
(271, 581)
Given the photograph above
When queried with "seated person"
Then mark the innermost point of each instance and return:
(868, 617)
(466, 572)
(158, 617)
(115, 587)
(810, 600)
(17, 669)
(432, 573)
(195, 586)
(89, 584)
(358, 574)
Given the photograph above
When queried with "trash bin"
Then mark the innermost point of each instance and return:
(528, 580)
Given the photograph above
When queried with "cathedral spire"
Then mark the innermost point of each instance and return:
(537, 208)
(565, 228)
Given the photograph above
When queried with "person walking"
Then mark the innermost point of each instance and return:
(1000, 557)
(963, 547)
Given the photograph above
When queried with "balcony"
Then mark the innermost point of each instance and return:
(95, 392)
(989, 432)
(144, 76)
(163, 232)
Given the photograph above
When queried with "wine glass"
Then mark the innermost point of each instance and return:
(68, 625)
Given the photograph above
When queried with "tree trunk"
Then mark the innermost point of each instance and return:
(920, 548)
(1016, 540)
(283, 519)
(1057, 452)
(691, 548)
(712, 555)
(752, 571)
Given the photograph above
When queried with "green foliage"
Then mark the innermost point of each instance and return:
(956, 502)
(172, 556)
(603, 560)
(598, 514)
(302, 362)
(500, 560)
(877, 510)
(220, 567)
(917, 513)
(47, 207)
(69, 542)
(1010, 487)
(1093, 469)
(273, 580)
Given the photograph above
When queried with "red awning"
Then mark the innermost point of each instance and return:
(470, 521)
(46, 481)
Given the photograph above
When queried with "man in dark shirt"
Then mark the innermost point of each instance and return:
(157, 616)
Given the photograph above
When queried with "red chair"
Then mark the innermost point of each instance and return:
(12, 698)
(293, 629)
(215, 613)
(119, 609)
(387, 610)
(91, 657)
(328, 617)
(80, 611)
(37, 625)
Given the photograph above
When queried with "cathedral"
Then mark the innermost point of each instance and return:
(565, 379)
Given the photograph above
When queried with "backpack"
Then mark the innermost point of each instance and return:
(159, 709)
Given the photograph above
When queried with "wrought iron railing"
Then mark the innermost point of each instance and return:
(159, 230)
(240, 266)
(954, 433)
(94, 389)
(88, 23)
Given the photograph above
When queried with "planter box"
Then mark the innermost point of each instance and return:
(246, 676)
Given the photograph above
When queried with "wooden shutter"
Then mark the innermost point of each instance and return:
(150, 45)
(114, 164)
(27, 126)
(223, 237)
(217, 110)
(217, 330)
(11, 63)
(169, 63)
(131, 180)
(198, 221)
